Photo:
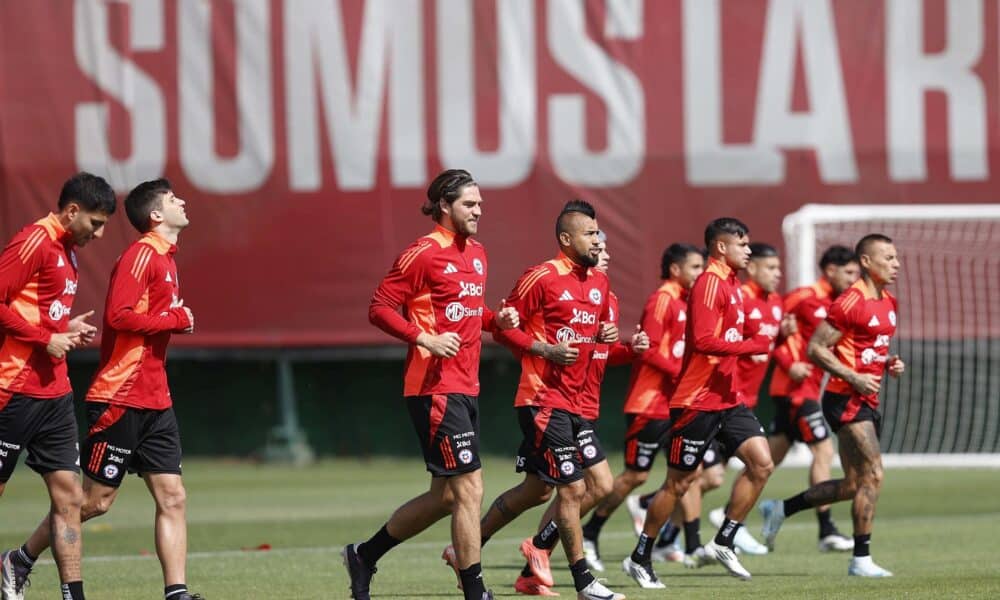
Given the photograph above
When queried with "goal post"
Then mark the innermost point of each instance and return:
(948, 402)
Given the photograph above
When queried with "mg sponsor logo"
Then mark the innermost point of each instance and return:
(769, 330)
(470, 289)
(58, 310)
(733, 335)
(869, 356)
(565, 334)
(456, 311)
(584, 317)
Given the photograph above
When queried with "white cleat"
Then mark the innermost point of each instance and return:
(746, 543)
(727, 558)
(592, 556)
(638, 513)
(836, 542)
(717, 516)
(671, 553)
(773, 512)
(642, 574)
(864, 566)
(699, 558)
(598, 591)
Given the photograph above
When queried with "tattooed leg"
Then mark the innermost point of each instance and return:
(859, 445)
(66, 498)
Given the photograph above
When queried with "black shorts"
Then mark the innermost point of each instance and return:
(551, 445)
(46, 427)
(841, 409)
(799, 423)
(715, 455)
(591, 451)
(121, 440)
(644, 437)
(447, 426)
(693, 431)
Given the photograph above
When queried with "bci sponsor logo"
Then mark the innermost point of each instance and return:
(470, 289)
(584, 317)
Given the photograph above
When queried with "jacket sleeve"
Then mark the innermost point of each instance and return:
(131, 280)
(527, 298)
(18, 263)
(396, 288)
(705, 310)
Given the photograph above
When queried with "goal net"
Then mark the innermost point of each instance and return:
(948, 402)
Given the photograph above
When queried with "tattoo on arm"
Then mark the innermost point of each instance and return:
(819, 351)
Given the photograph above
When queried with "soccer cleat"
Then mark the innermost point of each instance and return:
(669, 553)
(638, 513)
(538, 562)
(598, 591)
(14, 577)
(450, 559)
(727, 558)
(864, 566)
(717, 516)
(360, 573)
(699, 558)
(189, 596)
(746, 543)
(593, 555)
(531, 586)
(836, 542)
(642, 574)
(773, 512)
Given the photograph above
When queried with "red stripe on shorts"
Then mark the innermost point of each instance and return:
(851, 410)
(439, 404)
(97, 455)
(109, 417)
(541, 424)
(447, 454)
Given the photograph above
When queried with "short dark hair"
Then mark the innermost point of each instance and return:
(837, 255)
(143, 200)
(90, 192)
(447, 186)
(762, 250)
(865, 243)
(675, 254)
(573, 207)
(723, 226)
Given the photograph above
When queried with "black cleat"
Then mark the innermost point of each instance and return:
(189, 596)
(360, 573)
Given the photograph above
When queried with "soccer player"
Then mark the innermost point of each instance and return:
(596, 472)
(440, 281)
(795, 383)
(565, 311)
(131, 422)
(706, 406)
(852, 344)
(653, 378)
(38, 282)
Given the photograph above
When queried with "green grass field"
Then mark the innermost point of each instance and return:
(936, 529)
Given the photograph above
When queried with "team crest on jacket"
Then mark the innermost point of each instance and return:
(892, 317)
(776, 313)
(477, 265)
(595, 295)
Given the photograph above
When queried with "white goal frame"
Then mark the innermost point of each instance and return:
(799, 232)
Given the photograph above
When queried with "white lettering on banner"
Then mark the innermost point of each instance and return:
(120, 78)
(825, 128)
(617, 86)
(316, 46)
(252, 164)
(911, 74)
(512, 161)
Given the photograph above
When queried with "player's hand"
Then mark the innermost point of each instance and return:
(799, 371)
(608, 333)
(86, 331)
(564, 353)
(640, 340)
(506, 316)
(866, 384)
(759, 358)
(896, 365)
(61, 343)
(789, 326)
(445, 345)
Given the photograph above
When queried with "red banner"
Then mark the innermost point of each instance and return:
(303, 133)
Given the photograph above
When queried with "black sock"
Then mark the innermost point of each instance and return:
(643, 553)
(645, 500)
(727, 532)
(24, 557)
(862, 544)
(546, 538)
(668, 534)
(592, 530)
(796, 504)
(526, 571)
(826, 526)
(472, 582)
(377, 546)
(581, 574)
(692, 535)
(72, 590)
(174, 590)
